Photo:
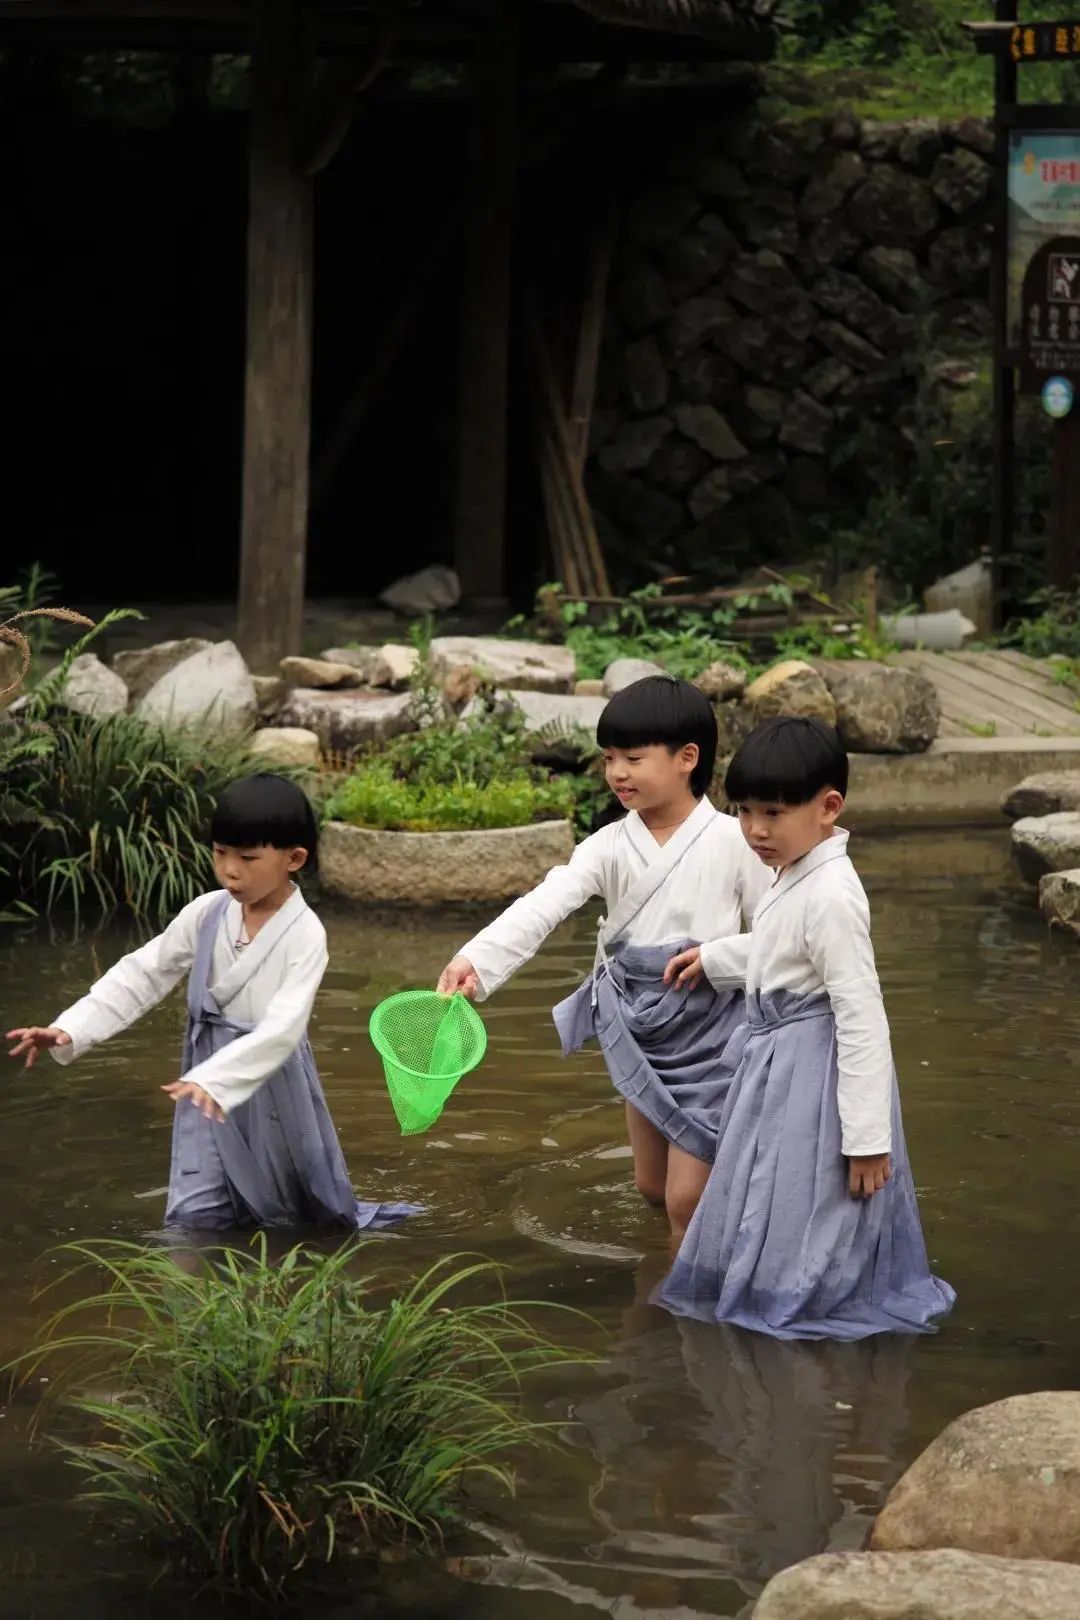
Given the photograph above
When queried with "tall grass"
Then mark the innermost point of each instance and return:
(269, 1418)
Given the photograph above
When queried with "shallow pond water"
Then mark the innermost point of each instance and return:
(696, 1461)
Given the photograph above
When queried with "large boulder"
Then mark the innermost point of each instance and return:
(92, 688)
(143, 667)
(560, 724)
(286, 745)
(348, 719)
(1044, 794)
(943, 1585)
(1002, 1479)
(881, 710)
(440, 868)
(270, 693)
(319, 672)
(433, 590)
(1044, 844)
(792, 687)
(212, 688)
(522, 666)
(1059, 900)
(625, 672)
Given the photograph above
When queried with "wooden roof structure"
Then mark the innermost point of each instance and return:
(309, 61)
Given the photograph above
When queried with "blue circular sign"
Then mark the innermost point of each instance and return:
(1057, 397)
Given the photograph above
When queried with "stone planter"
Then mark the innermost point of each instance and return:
(440, 868)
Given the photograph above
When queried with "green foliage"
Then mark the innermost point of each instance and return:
(375, 797)
(268, 1418)
(102, 815)
(839, 641)
(897, 59)
(34, 590)
(1052, 630)
(454, 773)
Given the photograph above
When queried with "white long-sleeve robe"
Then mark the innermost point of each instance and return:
(811, 933)
(714, 888)
(270, 983)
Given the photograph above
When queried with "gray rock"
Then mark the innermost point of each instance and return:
(881, 141)
(485, 868)
(521, 666)
(895, 274)
(765, 283)
(432, 590)
(270, 693)
(642, 298)
(976, 133)
(707, 428)
(625, 672)
(346, 721)
(879, 709)
(1059, 900)
(940, 1585)
(850, 300)
(832, 241)
(592, 689)
(705, 379)
(849, 347)
(720, 176)
(826, 377)
(767, 219)
(1004, 1478)
(791, 687)
(319, 672)
(845, 128)
(661, 215)
(711, 495)
(808, 425)
(829, 189)
(894, 209)
(699, 257)
(1043, 794)
(633, 508)
(780, 152)
(721, 682)
(144, 667)
(763, 467)
(391, 666)
(210, 688)
(922, 144)
(645, 377)
(561, 719)
(961, 180)
(678, 464)
(634, 445)
(960, 258)
(1044, 844)
(286, 745)
(766, 351)
(697, 321)
(758, 415)
(91, 688)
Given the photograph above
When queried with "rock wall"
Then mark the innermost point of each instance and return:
(782, 295)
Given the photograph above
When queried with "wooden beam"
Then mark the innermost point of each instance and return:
(277, 404)
(483, 357)
(591, 332)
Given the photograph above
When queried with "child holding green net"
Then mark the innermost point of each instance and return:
(667, 872)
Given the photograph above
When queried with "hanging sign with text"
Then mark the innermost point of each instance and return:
(1044, 203)
(1050, 339)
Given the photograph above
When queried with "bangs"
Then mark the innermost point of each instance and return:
(788, 761)
(265, 809)
(662, 711)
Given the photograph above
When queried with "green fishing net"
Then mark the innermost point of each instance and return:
(426, 1042)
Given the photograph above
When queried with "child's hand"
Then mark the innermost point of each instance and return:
(458, 978)
(35, 1040)
(685, 970)
(201, 1099)
(868, 1176)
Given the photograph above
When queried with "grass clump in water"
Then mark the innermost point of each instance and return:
(270, 1418)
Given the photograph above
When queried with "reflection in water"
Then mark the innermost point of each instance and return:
(697, 1460)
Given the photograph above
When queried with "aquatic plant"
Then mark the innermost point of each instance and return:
(269, 1417)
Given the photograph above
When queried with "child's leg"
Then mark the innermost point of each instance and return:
(686, 1178)
(650, 1151)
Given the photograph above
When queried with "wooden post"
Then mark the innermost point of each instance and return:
(1063, 539)
(483, 359)
(277, 405)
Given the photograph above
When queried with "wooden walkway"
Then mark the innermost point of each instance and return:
(998, 694)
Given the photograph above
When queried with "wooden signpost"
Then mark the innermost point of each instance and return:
(1036, 276)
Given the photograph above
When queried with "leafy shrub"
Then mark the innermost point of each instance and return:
(1052, 631)
(683, 641)
(374, 796)
(268, 1417)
